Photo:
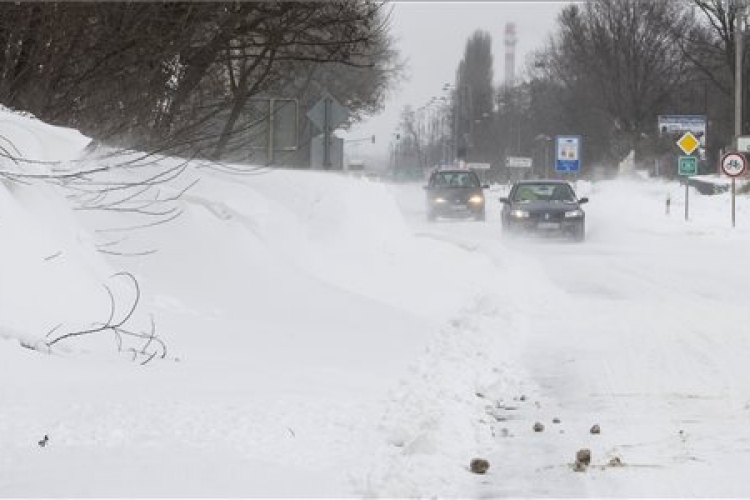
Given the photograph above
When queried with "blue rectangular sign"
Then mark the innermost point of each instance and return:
(568, 153)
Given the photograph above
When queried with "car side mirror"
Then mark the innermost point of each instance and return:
(504, 200)
(485, 186)
(425, 187)
(583, 200)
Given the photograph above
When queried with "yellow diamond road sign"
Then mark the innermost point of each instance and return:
(688, 143)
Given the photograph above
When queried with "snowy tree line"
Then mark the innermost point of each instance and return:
(178, 76)
(607, 71)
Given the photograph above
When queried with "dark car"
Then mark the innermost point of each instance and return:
(545, 207)
(455, 193)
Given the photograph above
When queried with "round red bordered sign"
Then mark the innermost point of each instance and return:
(733, 164)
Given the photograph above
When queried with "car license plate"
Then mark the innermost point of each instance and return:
(548, 225)
(459, 208)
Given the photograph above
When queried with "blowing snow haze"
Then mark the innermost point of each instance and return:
(431, 40)
(530, 296)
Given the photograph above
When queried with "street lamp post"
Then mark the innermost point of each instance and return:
(451, 90)
(467, 105)
(395, 146)
(444, 131)
(430, 120)
(462, 106)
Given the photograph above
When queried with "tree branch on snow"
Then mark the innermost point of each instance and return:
(140, 226)
(125, 184)
(148, 344)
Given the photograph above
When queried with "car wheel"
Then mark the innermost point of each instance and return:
(480, 216)
(430, 216)
(579, 233)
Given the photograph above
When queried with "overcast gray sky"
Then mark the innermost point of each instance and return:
(432, 35)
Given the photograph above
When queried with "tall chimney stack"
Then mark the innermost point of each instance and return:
(510, 54)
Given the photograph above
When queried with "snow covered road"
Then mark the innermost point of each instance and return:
(643, 330)
(326, 340)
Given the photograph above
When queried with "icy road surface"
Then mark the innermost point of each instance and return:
(644, 330)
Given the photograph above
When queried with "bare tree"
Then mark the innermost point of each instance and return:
(710, 44)
(474, 95)
(345, 33)
(180, 74)
(710, 48)
(412, 141)
(622, 55)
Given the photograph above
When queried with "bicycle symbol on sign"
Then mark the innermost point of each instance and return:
(733, 164)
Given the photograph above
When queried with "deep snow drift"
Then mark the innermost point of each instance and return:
(324, 339)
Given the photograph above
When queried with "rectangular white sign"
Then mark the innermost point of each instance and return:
(743, 143)
(478, 166)
(518, 162)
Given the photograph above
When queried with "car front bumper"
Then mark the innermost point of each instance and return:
(542, 227)
(461, 209)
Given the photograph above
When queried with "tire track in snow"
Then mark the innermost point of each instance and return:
(444, 413)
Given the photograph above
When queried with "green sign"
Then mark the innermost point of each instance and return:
(687, 165)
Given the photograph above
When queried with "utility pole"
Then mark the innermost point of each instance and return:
(327, 133)
(738, 38)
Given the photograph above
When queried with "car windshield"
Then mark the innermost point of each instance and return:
(455, 179)
(527, 193)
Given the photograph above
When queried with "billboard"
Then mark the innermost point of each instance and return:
(675, 126)
(567, 153)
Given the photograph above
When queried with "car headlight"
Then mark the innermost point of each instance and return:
(439, 200)
(476, 199)
(519, 214)
(574, 214)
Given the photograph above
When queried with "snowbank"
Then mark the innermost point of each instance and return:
(291, 303)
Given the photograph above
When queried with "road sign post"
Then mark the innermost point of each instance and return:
(327, 114)
(733, 165)
(688, 143)
(687, 166)
(568, 153)
(734, 197)
(689, 132)
(271, 127)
